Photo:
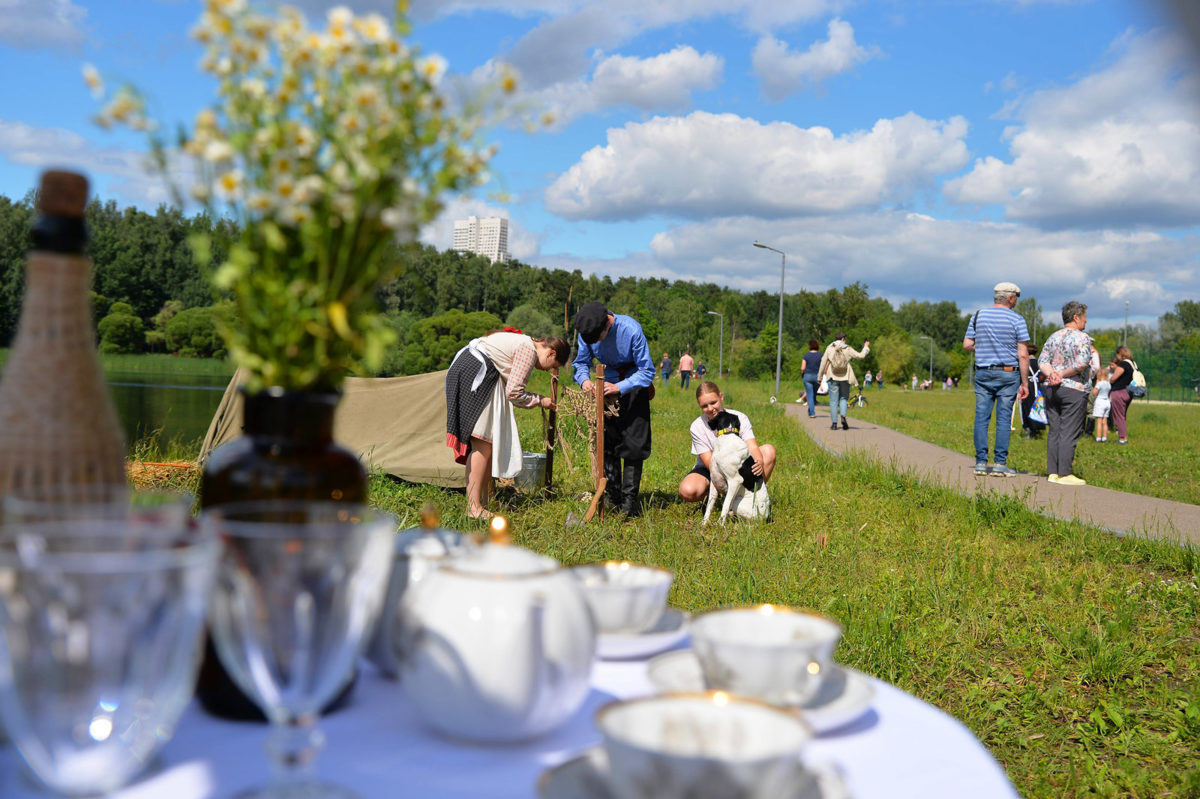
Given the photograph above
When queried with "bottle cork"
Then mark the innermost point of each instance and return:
(430, 516)
(62, 194)
(498, 532)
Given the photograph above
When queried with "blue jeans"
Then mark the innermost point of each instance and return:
(810, 394)
(999, 388)
(839, 395)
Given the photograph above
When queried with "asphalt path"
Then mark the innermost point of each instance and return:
(1117, 511)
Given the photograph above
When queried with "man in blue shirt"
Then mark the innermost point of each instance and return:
(618, 342)
(997, 336)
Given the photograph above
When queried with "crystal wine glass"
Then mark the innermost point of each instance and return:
(298, 590)
(99, 645)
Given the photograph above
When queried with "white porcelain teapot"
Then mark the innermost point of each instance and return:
(498, 645)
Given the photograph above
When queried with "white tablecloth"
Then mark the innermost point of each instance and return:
(900, 748)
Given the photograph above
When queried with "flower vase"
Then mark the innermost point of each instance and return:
(286, 452)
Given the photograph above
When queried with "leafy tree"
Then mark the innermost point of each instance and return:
(431, 343)
(896, 356)
(532, 322)
(121, 331)
(15, 241)
(940, 320)
(156, 336)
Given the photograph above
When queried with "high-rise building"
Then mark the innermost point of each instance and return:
(487, 236)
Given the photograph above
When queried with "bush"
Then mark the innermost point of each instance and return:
(121, 331)
(193, 332)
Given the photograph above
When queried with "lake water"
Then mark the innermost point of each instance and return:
(172, 410)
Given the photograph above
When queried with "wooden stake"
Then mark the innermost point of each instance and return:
(551, 429)
(601, 481)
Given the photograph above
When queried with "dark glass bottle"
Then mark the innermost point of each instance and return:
(286, 451)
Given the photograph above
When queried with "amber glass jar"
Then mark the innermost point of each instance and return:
(286, 451)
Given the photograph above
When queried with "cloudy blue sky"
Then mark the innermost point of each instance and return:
(927, 148)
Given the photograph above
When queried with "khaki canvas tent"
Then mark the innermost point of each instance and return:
(397, 424)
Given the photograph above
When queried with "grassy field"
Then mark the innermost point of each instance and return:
(1161, 460)
(1069, 652)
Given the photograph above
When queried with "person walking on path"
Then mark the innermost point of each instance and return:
(487, 378)
(812, 371)
(686, 362)
(617, 341)
(1122, 375)
(1066, 367)
(997, 335)
(666, 366)
(836, 364)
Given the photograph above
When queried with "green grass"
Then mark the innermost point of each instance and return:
(159, 363)
(1161, 460)
(1069, 652)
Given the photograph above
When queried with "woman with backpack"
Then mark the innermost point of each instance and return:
(1122, 369)
(836, 364)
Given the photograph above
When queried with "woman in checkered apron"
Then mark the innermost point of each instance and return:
(486, 379)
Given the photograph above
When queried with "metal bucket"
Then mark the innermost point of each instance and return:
(533, 471)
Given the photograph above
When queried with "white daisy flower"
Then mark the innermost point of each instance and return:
(91, 76)
(218, 151)
(432, 68)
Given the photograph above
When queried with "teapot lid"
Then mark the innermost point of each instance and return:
(504, 561)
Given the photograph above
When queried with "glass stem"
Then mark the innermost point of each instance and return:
(293, 745)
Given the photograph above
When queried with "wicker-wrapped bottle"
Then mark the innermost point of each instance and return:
(59, 431)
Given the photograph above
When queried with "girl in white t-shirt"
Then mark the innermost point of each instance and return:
(694, 487)
(1103, 404)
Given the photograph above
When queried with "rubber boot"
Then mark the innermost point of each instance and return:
(631, 484)
(613, 496)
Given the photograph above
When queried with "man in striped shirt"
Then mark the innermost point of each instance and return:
(997, 335)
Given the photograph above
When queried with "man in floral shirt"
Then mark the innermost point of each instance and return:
(1066, 367)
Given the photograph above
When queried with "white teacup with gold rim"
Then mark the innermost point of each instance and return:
(625, 598)
(771, 652)
(684, 746)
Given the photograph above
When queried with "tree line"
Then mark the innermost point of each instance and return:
(150, 295)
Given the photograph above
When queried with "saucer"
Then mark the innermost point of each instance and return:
(670, 630)
(584, 777)
(844, 695)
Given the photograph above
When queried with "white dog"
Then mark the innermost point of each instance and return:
(727, 476)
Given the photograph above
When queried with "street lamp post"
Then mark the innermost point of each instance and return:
(1125, 332)
(779, 343)
(930, 359)
(720, 347)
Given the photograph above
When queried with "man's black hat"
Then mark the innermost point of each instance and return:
(590, 321)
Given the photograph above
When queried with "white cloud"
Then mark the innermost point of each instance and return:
(37, 24)
(905, 256)
(718, 164)
(114, 172)
(558, 49)
(782, 72)
(664, 82)
(1119, 148)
